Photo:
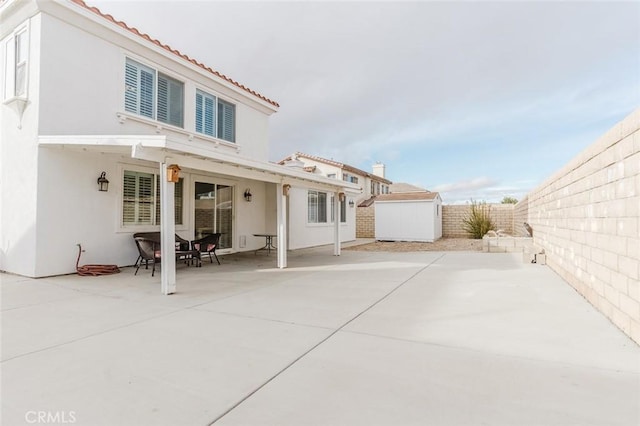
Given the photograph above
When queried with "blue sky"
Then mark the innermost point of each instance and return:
(474, 99)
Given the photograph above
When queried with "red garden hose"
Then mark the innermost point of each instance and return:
(94, 270)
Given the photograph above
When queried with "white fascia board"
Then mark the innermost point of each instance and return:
(103, 140)
(158, 148)
(46, 5)
(284, 173)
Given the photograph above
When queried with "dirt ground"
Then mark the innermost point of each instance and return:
(443, 244)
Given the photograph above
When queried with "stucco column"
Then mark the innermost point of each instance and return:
(281, 212)
(336, 224)
(167, 232)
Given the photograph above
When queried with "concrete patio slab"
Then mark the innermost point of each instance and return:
(364, 338)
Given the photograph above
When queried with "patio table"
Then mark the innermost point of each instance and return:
(268, 242)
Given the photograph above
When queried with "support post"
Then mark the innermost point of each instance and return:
(336, 224)
(281, 207)
(167, 232)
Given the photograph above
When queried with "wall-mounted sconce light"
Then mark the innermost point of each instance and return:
(351, 203)
(247, 195)
(341, 196)
(285, 189)
(103, 183)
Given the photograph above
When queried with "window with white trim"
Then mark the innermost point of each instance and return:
(215, 117)
(21, 63)
(316, 207)
(226, 121)
(152, 94)
(349, 178)
(141, 199)
(16, 58)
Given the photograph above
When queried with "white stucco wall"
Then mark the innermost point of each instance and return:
(83, 90)
(408, 220)
(18, 168)
(71, 210)
(49, 200)
(302, 234)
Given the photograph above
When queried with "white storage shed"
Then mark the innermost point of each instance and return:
(414, 216)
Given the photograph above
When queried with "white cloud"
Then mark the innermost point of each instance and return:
(419, 85)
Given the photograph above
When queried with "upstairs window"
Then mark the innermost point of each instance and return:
(349, 178)
(226, 121)
(205, 113)
(153, 95)
(15, 71)
(21, 64)
(170, 100)
(215, 117)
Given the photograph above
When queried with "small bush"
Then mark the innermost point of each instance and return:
(478, 222)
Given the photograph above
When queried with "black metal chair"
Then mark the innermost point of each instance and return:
(207, 244)
(181, 243)
(149, 251)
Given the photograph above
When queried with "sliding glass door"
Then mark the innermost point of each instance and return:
(214, 211)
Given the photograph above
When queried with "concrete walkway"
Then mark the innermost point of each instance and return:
(361, 339)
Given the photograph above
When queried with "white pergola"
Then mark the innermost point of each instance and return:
(165, 152)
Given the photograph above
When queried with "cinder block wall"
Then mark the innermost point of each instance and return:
(452, 216)
(365, 222)
(520, 216)
(587, 216)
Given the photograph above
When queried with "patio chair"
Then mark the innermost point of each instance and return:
(181, 243)
(208, 245)
(149, 251)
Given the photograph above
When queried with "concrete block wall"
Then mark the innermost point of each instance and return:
(520, 216)
(587, 218)
(453, 215)
(365, 222)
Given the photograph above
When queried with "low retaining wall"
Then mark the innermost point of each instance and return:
(507, 245)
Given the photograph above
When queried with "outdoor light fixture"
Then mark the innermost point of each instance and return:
(103, 183)
(351, 203)
(285, 189)
(247, 195)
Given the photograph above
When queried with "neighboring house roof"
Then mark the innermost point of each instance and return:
(404, 187)
(408, 196)
(337, 164)
(174, 51)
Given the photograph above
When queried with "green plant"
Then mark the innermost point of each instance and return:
(478, 221)
(509, 200)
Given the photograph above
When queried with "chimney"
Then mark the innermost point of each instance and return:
(378, 169)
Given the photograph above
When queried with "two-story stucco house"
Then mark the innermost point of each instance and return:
(85, 98)
(311, 211)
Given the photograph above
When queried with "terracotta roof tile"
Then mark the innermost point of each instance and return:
(336, 164)
(169, 49)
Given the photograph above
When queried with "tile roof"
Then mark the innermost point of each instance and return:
(404, 187)
(169, 49)
(336, 164)
(407, 196)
